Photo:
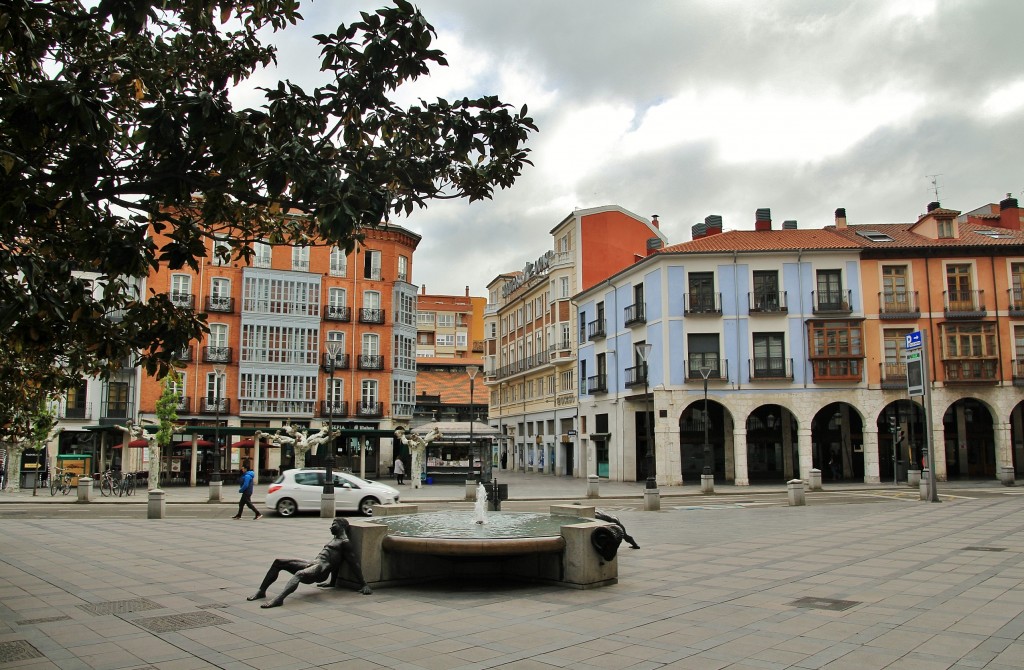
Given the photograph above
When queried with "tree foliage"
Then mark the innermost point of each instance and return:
(117, 114)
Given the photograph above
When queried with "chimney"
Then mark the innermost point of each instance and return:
(933, 206)
(423, 289)
(1010, 214)
(654, 221)
(698, 230)
(789, 224)
(763, 219)
(653, 244)
(467, 291)
(841, 218)
(712, 224)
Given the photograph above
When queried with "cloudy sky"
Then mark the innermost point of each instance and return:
(685, 108)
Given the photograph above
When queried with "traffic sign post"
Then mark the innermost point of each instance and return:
(918, 386)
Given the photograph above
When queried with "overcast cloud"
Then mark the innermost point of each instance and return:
(686, 108)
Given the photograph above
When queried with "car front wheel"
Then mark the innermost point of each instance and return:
(366, 506)
(287, 507)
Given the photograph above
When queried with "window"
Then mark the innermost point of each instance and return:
(277, 394)
(874, 236)
(945, 228)
(263, 343)
(368, 394)
(563, 287)
(829, 295)
(220, 294)
(337, 336)
(300, 259)
(960, 297)
(446, 340)
(836, 349)
(766, 291)
(425, 319)
(371, 265)
(371, 299)
(337, 297)
(335, 390)
(403, 393)
(492, 329)
(297, 297)
(181, 290)
(702, 351)
(769, 355)
(1018, 350)
(894, 346)
(218, 335)
(446, 320)
(1017, 286)
(339, 262)
(403, 268)
(406, 309)
(701, 297)
(894, 289)
(215, 390)
(994, 234)
(461, 340)
(969, 340)
(371, 344)
(221, 251)
(405, 353)
(262, 254)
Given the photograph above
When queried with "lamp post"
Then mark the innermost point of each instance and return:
(643, 352)
(218, 372)
(705, 372)
(471, 370)
(327, 499)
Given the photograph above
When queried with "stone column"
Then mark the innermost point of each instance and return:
(739, 442)
(1003, 445)
(871, 474)
(939, 442)
(803, 437)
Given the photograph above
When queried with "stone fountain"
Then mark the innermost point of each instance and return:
(567, 547)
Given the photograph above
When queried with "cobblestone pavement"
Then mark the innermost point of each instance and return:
(719, 582)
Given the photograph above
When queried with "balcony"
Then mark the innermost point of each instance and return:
(373, 273)
(971, 370)
(838, 301)
(597, 384)
(186, 300)
(261, 262)
(636, 375)
(635, 314)
(771, 367)
(217, 355)
(963, 304)
(1016, 296)
(115, 409)
(719, 371)
(1018, 373)
(369, 409)
(370, 315)
(370, 362)
(767, 302)
(338, 313)
(560, 350)
(893, 375)
(336, 408)
(210, 406)
(183, 405)
(341, 362)
(222, 304)
(76, 411)
(898, 305)
(184, 354)
(595, 329)
(838, 369)
(300, 265)
(702, 303)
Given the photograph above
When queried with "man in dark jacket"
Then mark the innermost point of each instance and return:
(245, 488)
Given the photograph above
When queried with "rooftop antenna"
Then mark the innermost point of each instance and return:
(934, 178)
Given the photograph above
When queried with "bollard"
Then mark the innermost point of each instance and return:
(327, 508)
(156, 509)
(707, 484)
(814, 479)
(1006, 476)
(652, 500)
(84, 489)
(470, 489)
(795, 488)
(593, 483)
(913, 478)
(215, 490)
(924, 488)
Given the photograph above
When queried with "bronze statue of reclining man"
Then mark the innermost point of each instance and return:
(326, 566)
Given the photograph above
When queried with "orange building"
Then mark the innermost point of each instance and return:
(449, 326)
(272, 322)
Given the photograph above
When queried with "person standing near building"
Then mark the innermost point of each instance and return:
(399, 470)
(245, 488)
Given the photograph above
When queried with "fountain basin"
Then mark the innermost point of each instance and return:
(414, 548)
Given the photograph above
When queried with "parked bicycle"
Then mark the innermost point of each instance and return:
(60, 480)
(110, 482)
(127, 486)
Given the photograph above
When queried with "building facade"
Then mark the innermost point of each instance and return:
(449, 326)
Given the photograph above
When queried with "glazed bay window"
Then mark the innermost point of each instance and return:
(837, 352)
(277, 394)
(279, 344)
(969, 352)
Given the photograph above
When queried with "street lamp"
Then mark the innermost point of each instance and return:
(333, 349)
(218, 372)
(471, 370)
(705, 372)
(643, 352)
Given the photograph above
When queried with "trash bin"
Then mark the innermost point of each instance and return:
(430, 480)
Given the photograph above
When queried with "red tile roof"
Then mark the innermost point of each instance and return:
(903, 237)
(763, 240)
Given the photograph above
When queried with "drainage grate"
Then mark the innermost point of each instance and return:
(213, 606)
(176, 622)
(121, 606)
(825, 604)
(984, 548)
(18, 650)
(48, 619)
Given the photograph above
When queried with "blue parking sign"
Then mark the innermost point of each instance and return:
(914, 340)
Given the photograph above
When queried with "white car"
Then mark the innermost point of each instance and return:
(299, 491)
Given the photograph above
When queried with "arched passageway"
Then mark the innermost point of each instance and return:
(837, 443)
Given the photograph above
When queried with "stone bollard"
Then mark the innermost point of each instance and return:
(215, 490)
(85, 489)
(593, 484)
(913, 478)
(156, 509)
(652, 500)
(327, 508)
(470, 489)
(795, 488)
(1006, 476)
(814, 480)
(576, 509)
(925, 489)
(707, 484)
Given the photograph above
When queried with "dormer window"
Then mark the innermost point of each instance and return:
(945, 229)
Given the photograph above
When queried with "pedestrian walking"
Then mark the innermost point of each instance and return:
(245, 488)
(399, 470)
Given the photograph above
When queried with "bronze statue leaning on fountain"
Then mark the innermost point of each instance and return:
(326, 565)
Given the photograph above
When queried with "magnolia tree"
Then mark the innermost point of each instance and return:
(302, 442)
(167, 415)
(42, 428)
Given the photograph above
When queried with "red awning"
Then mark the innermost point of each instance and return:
(138, 444)
(248, 443)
